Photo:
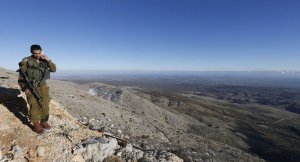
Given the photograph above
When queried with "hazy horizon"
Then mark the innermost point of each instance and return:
(260, 79)
(186, 72)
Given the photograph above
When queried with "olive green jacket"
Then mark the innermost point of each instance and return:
(35, 70)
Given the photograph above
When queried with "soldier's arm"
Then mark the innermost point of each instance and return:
(52, 66)
(21, 81)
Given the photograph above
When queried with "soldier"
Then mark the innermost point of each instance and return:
(37, 67)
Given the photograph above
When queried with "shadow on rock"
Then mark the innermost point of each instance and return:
(17, 105)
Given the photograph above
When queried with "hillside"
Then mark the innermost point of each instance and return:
(255, 114)
(81, 114)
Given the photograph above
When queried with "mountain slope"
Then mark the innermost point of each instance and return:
(127, 116)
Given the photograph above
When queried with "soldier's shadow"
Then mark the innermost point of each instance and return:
(17, 105)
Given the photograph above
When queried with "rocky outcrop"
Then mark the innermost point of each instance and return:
(106, 149)
(106, 92)
(96, 149)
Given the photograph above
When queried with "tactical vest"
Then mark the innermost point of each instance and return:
(36, 71)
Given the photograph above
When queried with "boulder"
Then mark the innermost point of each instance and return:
(17, 152)
(96, 148)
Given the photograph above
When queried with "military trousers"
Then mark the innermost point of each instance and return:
(36, 112)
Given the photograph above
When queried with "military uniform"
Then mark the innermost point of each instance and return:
(36, 70)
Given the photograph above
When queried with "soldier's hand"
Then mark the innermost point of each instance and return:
(45, 57)
(27, 92)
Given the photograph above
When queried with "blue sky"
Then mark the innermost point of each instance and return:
(154, 34)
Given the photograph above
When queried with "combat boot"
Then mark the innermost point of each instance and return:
(45, 124)
(37, 128)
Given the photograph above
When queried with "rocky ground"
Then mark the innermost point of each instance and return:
(86, 120)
